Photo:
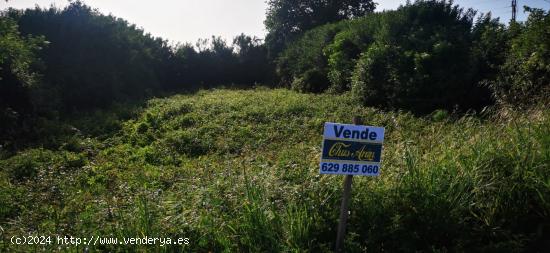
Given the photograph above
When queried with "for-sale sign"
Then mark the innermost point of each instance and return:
(351, 149)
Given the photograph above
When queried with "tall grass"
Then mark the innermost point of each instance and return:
(237, 171)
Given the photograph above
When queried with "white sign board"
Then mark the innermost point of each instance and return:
(351, 149)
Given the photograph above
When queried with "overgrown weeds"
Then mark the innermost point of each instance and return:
(237, 171)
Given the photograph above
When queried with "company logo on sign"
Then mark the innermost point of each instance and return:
(351, 149)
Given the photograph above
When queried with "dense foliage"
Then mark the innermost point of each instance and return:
(85, 151)
(235, 175)
(287, 19)
(417, 57)
(423, 56)
(302, 66)
(214, 62)
(18, 65)
(93, 61)
(524, 78)
(420, 60)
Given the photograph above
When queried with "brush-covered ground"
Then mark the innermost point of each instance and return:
(237, 171)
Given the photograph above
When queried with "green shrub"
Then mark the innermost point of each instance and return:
(377, 79)
(440, 115)
(490, 45)
(93, 59)
(30, 163)
(185, 143)
(427, 55)
(524, 78)
(18, 76)
(313, 80)
(420, 64)
(26, 165)
(304, 60)
(345, 49)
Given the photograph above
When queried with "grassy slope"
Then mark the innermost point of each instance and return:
(238, 171)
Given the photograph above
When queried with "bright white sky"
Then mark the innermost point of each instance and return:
(189, 20)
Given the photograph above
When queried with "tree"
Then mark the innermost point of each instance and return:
(420, 60)
(17, 76)
(524, 78)
(214, 62)
(288, 18)
(490, 44)
(252, 60)
(302, 65)
(93, 59)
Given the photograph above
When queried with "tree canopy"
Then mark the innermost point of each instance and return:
(18, 73)
(288, 18)
(424, 56)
